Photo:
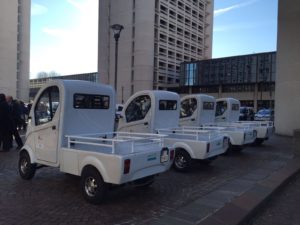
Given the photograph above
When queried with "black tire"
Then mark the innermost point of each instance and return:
(92, 186)
(182, 160)
(144, 183)
(26, 168)
(208, 161)
(228, 150)
(236, 148)
(258, 142)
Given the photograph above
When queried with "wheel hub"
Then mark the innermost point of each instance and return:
(180, 161)
(24, 166)
(91, 186)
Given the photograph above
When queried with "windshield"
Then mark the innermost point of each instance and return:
(243, 110)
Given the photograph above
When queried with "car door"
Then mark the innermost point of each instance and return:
(137, 115)
(46, 124)
(188, 112)
(221, 111)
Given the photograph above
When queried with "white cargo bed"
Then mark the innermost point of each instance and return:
(201, 144)
(145, 153)
(239, 136)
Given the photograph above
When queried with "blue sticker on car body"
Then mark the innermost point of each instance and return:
(151, 157)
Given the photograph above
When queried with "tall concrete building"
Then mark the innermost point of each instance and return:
(14, 48)
(158, 35)
(287, 97)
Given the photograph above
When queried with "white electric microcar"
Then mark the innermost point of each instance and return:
(158, 112)
(71, 127)
(198, 112)
(228, 112)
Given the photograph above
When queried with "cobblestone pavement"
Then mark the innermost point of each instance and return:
(283, 208)
(52, 197)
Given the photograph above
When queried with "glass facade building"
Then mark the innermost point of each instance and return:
(254, 73)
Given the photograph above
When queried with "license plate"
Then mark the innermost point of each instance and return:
(164, 155)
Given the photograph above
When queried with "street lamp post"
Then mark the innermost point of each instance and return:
(117, 28)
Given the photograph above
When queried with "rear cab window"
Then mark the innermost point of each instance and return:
(89, 101)
(167, 105)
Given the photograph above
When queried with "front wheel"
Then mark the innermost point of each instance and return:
(26, 168)
(92, 186)
(182, 161)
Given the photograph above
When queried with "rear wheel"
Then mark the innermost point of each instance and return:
(258, 141)
(26, 168)
(182, 161)
(237, 148)
(144, 183)
(92, 186)
(209, 160)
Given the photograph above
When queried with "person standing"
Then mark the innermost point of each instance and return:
(14, 109)
(5, 124)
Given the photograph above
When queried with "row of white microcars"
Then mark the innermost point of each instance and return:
(72, 124)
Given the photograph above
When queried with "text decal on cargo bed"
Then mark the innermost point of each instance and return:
(151, 157)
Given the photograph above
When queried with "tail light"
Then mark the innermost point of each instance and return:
(207, 147)
(126, 166)
(172, 154)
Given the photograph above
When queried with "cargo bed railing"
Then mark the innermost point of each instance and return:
(114, 139)
(224, 126)
(258, 123)
(190, 132)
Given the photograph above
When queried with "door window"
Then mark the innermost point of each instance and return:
(138, 108)
(221, 107)
(188, 107)
(46, 106)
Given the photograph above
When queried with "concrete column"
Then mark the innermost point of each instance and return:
(287, 94)
(297, 142)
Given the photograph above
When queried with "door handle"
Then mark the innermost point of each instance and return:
(146, 123)
(193, 119)
(53, 127)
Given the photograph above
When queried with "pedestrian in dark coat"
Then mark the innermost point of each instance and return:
(14, 110)
(5, 124)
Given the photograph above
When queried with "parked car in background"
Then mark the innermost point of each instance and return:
(264, 114)
(119, 108)
(246, 113)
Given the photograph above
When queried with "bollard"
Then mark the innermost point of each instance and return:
(296, 140)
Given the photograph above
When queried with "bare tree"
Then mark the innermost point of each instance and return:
(44, 74)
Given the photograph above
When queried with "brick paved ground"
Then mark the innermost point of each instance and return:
(52, 197)
(283, 208)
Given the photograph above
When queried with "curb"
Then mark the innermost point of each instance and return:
(241, 208)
